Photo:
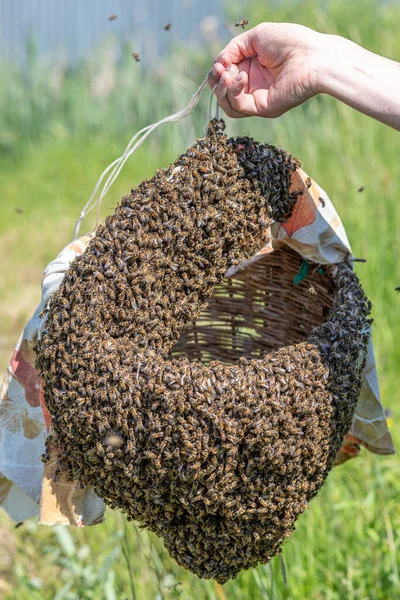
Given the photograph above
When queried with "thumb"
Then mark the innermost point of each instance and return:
(238, 49)
(261, 103)
(237, 97)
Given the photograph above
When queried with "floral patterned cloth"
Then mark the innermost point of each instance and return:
(28, 487)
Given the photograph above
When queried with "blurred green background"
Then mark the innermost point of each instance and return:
(59, 128)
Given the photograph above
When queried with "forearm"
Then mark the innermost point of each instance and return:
(367, 82)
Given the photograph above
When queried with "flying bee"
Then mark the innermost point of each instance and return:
(167, 27)
(136, 56)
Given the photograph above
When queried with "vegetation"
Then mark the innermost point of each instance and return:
(59, 127)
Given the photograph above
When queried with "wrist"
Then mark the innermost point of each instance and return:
(332, 61)
(365, 81)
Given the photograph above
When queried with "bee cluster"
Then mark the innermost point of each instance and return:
(218, 459)
(271, 171)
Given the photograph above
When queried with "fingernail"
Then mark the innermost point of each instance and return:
(222, 80)
(214, 71)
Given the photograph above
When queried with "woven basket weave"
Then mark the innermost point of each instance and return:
(258, 310)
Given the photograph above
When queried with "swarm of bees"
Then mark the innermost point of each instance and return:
(218, 459)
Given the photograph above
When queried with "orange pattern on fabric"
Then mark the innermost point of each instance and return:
(305, 210)
(26, 375)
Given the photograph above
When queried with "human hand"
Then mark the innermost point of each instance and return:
(267, 70)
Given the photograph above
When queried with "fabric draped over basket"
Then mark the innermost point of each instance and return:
(28, 487)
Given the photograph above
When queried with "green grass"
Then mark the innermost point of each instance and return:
(346, 546)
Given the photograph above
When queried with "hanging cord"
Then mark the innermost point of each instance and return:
(216, 116)
(116, 166)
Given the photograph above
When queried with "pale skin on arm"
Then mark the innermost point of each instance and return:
(274, 67)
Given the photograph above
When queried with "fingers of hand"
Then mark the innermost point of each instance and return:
(237, 97)
(230, 92)
(238, 85)
(224, 59)
(239, 48)
(217, 70)
(221, 93)
(230, 88)
(215, 74)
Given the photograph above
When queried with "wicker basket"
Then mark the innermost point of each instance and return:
(258, 310)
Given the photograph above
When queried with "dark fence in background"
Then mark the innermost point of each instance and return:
(71, 29)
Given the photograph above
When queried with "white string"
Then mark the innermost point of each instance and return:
(118, 163)
(216, 116)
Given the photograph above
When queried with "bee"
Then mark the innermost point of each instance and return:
(66, 371)
(322, 202)
(112, 17)
(64, 315)
(242, 23)
(167, 27)
(136, 56)
(361, 189)
(397, 289)
(19, 211)
(45, 457)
